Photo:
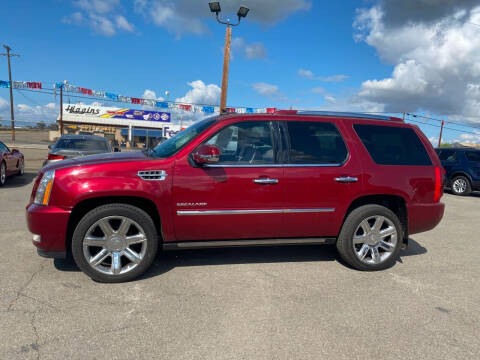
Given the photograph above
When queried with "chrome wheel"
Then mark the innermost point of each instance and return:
(114, 245)
(375, 239)
(459, 185)
(3, 173)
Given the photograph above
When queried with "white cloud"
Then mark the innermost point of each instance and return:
(265, 89)
(469, 138)
(435, 57)
(100, 15)
(188, 16)
(4, 104)
(318, 90)
(28, 113)
(310, 75)
(254, 50)
(201, 94)
(330, 98)
(123, 23)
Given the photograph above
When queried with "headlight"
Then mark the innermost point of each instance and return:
(45, 188)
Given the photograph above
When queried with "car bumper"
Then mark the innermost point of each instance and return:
(424, 217)
(49, 227)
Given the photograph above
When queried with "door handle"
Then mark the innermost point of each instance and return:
(346, 179)
(264, 181)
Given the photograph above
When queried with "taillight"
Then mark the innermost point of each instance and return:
(55, 157)
(438, 184)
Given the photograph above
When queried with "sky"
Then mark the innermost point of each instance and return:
(416, 56)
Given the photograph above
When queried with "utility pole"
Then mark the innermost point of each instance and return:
(61, 111)
(242, 12)
(440, 137)
(12, 117)
(226, 64)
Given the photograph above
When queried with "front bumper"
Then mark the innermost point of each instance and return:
(49, 226)
(424, 217)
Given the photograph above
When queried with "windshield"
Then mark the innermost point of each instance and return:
(172, 145)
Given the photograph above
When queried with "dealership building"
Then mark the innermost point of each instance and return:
(129, 127)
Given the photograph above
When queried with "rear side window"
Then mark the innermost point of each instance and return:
(315, 143)
(391, 145)
(473, 155)
(448, 155)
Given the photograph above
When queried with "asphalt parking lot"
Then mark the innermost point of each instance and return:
(296, 302)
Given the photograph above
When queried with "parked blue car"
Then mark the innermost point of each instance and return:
(462, 167)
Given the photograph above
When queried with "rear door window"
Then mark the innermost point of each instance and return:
(473, 155)
(392, 145)
(315, 143)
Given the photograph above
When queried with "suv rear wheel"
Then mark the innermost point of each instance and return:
(461, 186)
(115, 243)
(371, 238)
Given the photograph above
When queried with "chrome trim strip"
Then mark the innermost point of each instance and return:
(344, 114)
(256, 242)
(270, 165)
(248, 212)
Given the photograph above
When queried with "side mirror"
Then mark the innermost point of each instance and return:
(15, 151)
(116, 149)
(50, 146)
(207, 154)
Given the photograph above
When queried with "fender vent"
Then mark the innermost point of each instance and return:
(152, 175)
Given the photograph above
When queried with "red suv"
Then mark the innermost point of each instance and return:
(361, 182)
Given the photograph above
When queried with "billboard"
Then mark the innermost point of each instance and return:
(115, 113)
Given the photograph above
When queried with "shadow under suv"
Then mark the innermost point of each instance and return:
(362, 182)
(462, 169)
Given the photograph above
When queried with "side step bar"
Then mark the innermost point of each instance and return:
(235, 243)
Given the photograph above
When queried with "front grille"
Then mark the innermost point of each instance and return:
(152, 175)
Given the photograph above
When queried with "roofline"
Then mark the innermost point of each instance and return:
(338, 114)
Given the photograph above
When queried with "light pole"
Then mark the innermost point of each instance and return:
(12, 117)
(242, 12)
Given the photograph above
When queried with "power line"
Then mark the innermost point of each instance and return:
(439, 126)
(445, 121)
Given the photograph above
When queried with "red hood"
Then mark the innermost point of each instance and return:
(97, 159)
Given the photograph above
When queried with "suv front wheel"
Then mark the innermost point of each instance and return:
(115, 243)
(371, 238)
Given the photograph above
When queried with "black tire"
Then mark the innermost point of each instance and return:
(345, 244)
(465, 189)
(131, 212)
(21, 167)
(3, 170)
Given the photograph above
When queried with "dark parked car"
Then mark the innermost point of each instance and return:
(12, 162)
(72, 146)
(462, 169)
(364, 183)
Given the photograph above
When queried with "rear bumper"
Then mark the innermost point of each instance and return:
(424, 217)
(49, 226)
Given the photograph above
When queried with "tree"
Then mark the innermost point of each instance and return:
(41, 125)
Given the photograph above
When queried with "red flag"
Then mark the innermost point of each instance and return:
(136, 101)
(185, 107)
(271, 110)
(230, 110)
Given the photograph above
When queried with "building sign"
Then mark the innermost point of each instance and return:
(116, 113)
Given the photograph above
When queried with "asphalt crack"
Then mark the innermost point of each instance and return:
(19, 292)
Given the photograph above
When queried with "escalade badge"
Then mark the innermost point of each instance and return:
(192, 204)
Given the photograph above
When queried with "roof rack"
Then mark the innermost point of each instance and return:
(338, 114)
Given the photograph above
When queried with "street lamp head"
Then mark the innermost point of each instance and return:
(242, 12)
(214, 7)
